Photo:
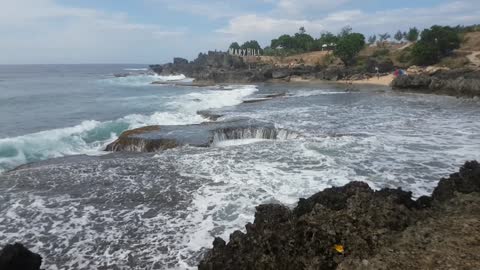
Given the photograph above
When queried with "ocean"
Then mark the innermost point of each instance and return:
(83, 208)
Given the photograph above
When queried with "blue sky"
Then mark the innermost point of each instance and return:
(153, 31)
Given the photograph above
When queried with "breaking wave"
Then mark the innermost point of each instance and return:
(145, 79)
(136, 69)
(90, 136)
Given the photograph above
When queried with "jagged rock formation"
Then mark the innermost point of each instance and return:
(18, 257)
(158, 138)
(354, 227)
(220, 67)
(457, 82)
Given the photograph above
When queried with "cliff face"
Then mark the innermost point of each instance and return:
(354, 227)
(458, 82)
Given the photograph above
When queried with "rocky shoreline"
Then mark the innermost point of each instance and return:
(354, 227)
(219, 68)
(457, 82)
(349, 227)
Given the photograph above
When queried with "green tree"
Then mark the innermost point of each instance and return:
(384, 37)
(286, 41)
(303, 42)
(327, 38)
(372, 39)
(234, 45)
(435, 43)
(302, 30)
(349, 46)
(412, 34)
(424, 54)
(444, 38)
(346, 30)
(398, 36)
(252, 44)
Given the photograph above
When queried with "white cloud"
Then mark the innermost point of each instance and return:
(209, 9)
(265, 27)
(302, 7)
(41, 31)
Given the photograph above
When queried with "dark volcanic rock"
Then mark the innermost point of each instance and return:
(467, 180)
(280, 73)
(221, 67)
(412, 82)
(158, 138)
(18, 257)
(458, 82)
(180, 61)
(342, 224)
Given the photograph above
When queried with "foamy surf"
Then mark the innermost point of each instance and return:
(90, 137)
(144, 79)
(135, 69)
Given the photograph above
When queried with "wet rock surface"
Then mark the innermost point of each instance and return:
(18, 257)
(354, 227)
(158, 138)
(457, 82)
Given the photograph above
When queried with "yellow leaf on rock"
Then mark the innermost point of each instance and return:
(339, 248)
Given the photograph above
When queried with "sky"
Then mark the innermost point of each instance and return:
(154, 31)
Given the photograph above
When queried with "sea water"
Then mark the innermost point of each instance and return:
(163, 210)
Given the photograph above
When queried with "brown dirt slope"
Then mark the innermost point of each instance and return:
(471, 42)
(448, 239)
(309, 59)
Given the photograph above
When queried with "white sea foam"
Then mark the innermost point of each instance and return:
(213, 99)
(308, 93)
(90, 137)
(136, 69)
(145, 79)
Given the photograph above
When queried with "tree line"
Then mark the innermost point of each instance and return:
(430, 44)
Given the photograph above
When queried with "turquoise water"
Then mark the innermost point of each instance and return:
(51, 111)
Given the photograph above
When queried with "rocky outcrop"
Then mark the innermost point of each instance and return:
(158, 138)
(457, 82)
(352, 227)
(18, 257)
(220, 67)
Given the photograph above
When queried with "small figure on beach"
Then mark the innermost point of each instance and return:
(377, 72)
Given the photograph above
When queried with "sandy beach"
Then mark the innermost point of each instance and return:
(382, 80)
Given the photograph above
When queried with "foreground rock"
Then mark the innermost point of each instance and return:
(18, 257)
(354, 227)
(458, 82)
(158, 138)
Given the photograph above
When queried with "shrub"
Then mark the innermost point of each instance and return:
(435, 43)
(349, 46)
